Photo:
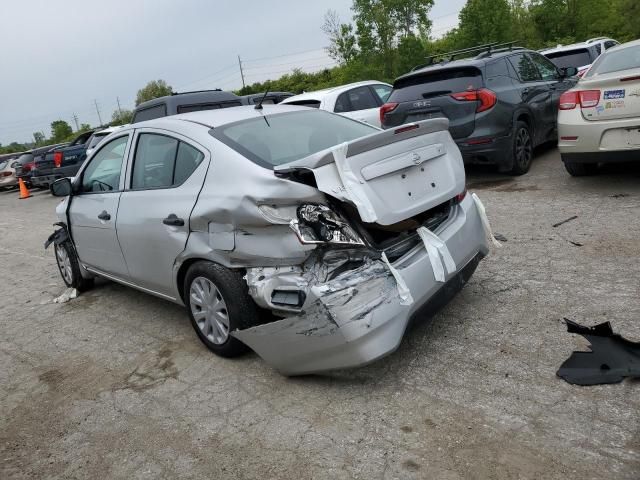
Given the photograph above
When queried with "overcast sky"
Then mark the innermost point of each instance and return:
(58, 57)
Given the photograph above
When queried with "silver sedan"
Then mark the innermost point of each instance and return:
(307, 236)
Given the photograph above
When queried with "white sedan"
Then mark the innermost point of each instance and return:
(360, 101)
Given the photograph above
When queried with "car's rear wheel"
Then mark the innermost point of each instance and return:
(218, 303)
(580, 169)
(522, 149)
(69, 267)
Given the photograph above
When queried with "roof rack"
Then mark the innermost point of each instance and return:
(501, 47)
(482, 51)
(198, 91)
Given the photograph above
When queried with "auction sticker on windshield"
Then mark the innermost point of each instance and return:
(613, 94)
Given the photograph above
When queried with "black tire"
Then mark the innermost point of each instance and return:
(239, 311)
(580, 169)
(70, 272)
(521, 149)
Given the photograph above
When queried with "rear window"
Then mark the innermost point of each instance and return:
(435, 84)
(615, 61)
(150, 113)
(282, 138)
(570, 58)
(197, 107)
(26, 158)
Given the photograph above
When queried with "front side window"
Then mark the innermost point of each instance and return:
(103, 172)
(355, 99)
(161, 161)
(285, 137)
(547, 69)
(526, 70)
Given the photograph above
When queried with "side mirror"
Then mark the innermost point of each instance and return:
(61, 187)
(569, 71)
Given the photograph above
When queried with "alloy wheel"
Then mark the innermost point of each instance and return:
(524, 148)
(64, 263)
(209, 310)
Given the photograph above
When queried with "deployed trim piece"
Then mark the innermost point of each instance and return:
(611, 358)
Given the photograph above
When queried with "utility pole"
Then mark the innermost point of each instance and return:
(98, 111)
(75, 119)
(119, 109)
(241, 72)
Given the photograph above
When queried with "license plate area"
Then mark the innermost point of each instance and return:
(633, 137)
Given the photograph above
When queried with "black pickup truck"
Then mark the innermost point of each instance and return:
(62, 162)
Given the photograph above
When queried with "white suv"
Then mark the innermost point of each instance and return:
(579, 55)
(360, 101)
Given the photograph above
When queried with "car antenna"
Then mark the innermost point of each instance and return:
(259, 104)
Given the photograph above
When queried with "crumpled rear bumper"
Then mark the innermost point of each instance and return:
(358, 317)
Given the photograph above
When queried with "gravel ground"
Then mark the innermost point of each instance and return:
(115, 383)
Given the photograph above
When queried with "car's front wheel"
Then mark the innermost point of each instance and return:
(522, 149)
(69, 267)
(218, 303)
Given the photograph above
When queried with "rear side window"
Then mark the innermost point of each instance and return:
(360, 98)
(570, 58)
(609, 43)
(526, 70)
(382, 91)
(150, 113)
(615, 61)
(435, 84)
(161, 162)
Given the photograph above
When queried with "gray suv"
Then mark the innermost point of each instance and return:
(310, 237)
(500, 104)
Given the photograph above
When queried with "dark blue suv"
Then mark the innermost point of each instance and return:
(501, 103)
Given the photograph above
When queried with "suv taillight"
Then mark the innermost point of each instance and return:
(29, 166)
(584, 98)
(486, 97)
(57, 159)
(386, 108)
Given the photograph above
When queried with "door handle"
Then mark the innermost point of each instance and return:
(104, 216)
(173, 221)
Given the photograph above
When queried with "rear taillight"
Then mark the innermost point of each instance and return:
(486, 98)
(584, 98)
(460, 197)
(6, 174)
(386, 108)
(57, 159)
(29, 166)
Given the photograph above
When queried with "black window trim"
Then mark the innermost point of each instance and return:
(128, 187)
(124, 161)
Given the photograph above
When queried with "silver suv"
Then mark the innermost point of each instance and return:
(310, 237)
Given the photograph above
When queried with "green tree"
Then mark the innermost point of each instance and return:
(153, 89)
(60, 130)
(39, 138)
(84, 127)
(484, 21)
(342, 41)
(121, 117)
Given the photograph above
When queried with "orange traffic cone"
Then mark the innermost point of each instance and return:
(24, 191)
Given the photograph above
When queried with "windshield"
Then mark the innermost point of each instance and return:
(616, 60)
(282, 138)
(570, 58)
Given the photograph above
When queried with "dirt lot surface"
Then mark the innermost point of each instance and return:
(115, 383)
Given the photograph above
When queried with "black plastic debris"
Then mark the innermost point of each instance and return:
(500, 237)
(556, 225)
(611, 359)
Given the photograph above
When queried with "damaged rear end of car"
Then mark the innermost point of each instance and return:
(383, 226)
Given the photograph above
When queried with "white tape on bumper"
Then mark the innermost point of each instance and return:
(403, 290)
(485, 220)
(436, 248)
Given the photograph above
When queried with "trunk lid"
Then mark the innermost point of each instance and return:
(427, 95)
(391, 175)
(619, 96)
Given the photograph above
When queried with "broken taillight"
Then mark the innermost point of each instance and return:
(585, 98)
(57, 159)
(460, 197)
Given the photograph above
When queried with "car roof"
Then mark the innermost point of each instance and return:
(575, 46)
(246, 99)
(320, 94)
(219, 117)
(176, 99)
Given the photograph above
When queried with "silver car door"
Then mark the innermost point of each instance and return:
(166, 176)
(94, 208)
